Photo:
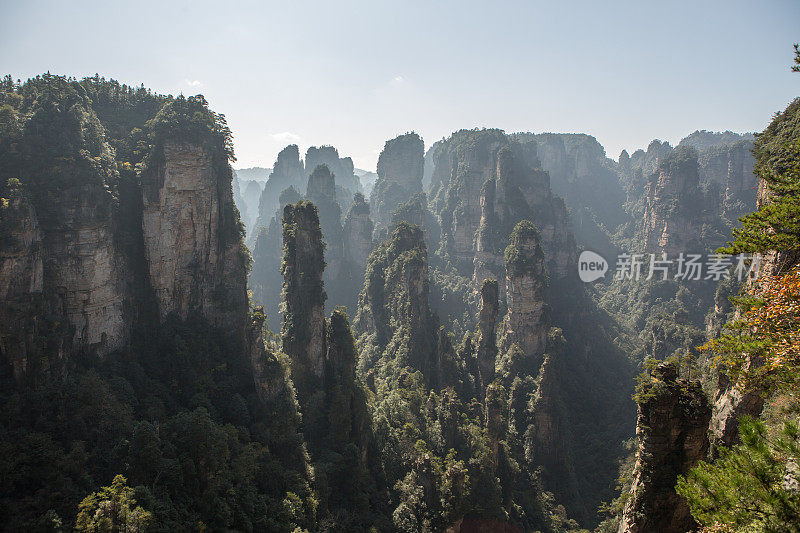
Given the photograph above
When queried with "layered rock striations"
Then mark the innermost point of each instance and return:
(527, 322)
(94, 246)
(673, 213)
(194, 266)
(672, 430)
(62, 274)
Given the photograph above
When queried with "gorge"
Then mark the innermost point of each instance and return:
(420, 358)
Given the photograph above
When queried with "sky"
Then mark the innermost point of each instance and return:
(354, 74)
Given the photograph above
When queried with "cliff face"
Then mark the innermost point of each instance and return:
(587, 180)
(88, 237)
(462, 165)
(487, 338)
(527, 321)
(62, 275)
(358, 227)
(86, 268)
(672, 429)
(673, 209)
(321, 190)
(400, 169)
(303, 329)
(341, 167)
(21, 281)
(265, 276)
(346, 247)
(288, 171)
(192, 267)
(322, 356)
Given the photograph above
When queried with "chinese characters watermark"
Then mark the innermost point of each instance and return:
(684, 267)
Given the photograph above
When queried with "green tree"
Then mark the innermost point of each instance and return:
(112, 509)
(755, 486)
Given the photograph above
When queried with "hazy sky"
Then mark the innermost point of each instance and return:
(354, 74)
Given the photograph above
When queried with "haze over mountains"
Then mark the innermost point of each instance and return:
(311, 347)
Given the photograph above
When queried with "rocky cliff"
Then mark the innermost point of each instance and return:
(288, 171)
(587, 180)
(64, 277)
(527, 322)
(400, 169)
(90, 239)
(358, 228)
(341, 167)
(674, 209)
(672, 430)
(461, 166)
(487, 333)
(303, 330)
(194, 266)
(394, 314)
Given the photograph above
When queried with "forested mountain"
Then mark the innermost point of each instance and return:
(426, 358)
(128, 344)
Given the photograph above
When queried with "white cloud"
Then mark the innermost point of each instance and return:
(398, 79)
(286, 136)
(193, 83)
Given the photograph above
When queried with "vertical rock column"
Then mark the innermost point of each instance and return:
(304, 318)
(194, 258)
(527, 321)
(672, 430)
(487, 326)
(358, 228)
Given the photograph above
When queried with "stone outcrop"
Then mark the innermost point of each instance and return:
(394, 312)
(193, 263)
(321, 190)
(322, 353)
(587, 180)
(527, 322)
(516, 194)
(400, 169)
(341, 167)
(303, 332)
(288, 171)
(487, 336)
(265, 275)
(461, 166)
(672, 429)
(268, 374)
(549, 436)
(488, 262)
(346, 247)
(673, 209)
(63, 275)
(358, 228)
(21, 282)
(97, 249)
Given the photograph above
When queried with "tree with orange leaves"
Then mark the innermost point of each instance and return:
(769, 329)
